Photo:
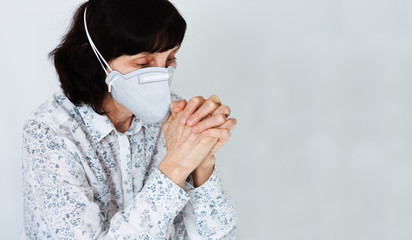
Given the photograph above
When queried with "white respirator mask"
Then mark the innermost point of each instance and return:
(145, 92)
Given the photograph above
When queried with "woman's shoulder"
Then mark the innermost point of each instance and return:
(54, 112)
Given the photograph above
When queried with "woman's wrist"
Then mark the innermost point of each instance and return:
(201, 175)
(174, 172)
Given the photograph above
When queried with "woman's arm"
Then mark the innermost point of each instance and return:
(59, 203)
(209, 214)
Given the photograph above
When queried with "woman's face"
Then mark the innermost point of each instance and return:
(128, 63)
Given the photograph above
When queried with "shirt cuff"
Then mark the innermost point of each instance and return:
(162, 191)
(212, 187)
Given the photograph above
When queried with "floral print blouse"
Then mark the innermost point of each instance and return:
(83, 179)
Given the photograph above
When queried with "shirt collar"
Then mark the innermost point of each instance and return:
(97, 125)
(138, 123)
(135, 127)
(100, 126)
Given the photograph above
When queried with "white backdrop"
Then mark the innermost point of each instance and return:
(321, 90)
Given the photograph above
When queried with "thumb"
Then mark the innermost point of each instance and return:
(177, 106)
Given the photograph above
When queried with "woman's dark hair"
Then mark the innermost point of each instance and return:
(121, 27)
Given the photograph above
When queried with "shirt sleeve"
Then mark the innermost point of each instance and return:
(209, 214)
(59, 203)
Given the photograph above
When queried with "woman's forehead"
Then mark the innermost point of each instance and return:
(144, 54)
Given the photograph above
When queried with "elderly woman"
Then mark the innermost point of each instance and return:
(115, 155)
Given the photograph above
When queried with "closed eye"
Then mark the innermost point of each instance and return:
(142, 64)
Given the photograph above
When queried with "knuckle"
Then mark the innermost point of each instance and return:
(194, 116)
(229, 111)
(214, 98)
(221, 119)
(226, 109)
(197, 99)
(194, 100)
(212, 105)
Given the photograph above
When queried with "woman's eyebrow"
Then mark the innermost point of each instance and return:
(140, 55)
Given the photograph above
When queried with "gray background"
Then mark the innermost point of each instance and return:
(320, 88)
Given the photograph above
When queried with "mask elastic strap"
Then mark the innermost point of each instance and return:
(98, 55)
